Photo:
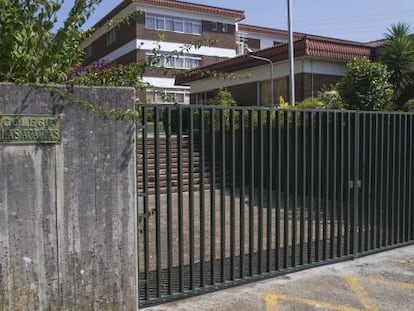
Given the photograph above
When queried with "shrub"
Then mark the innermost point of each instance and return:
(409, 105)
(223, 98)
(365, 86)
(310, 103)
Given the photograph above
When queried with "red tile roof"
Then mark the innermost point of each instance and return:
(324, 48)
(237, 15)
(312, 47)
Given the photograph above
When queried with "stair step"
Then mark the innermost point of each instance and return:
(179, 172)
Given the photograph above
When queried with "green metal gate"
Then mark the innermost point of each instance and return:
(230, 195)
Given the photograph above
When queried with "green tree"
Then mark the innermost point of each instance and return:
(223, 98)
(398, 54)
(31, 51)
(365, 86)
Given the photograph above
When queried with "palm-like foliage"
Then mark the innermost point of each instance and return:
(398, 54)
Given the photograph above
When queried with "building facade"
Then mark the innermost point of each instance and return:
(318, 62)
(168, 26)
(254, 38)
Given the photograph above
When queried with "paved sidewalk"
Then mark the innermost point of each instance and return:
(384, 281)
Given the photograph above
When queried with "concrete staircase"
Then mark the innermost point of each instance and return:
(183, 171)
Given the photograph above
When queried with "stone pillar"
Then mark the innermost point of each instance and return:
(68, 211)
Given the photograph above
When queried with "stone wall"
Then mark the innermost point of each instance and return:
(67, 211)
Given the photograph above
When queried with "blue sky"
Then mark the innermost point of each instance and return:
(358, 20)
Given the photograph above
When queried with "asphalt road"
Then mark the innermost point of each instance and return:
(384, 281)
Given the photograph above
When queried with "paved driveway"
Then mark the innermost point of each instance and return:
(383, 281)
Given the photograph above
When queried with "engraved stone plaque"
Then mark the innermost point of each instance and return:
(30, 129)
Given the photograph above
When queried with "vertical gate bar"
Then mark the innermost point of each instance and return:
(392, 174)
(180, 200)
(357, 134)
(169, 202)
(399, 179)
(368, 220)
(202, 197)
(302, 164)
(326, 187)
(190, 111)
(375, 215)
(232, 194)
(157, 201)
(404, 169)
(286, 226)
(213, 198)
(387, 181)
(369, 225)
(145, 201)
(348, 190)
(400, 186)
(404, 209)
(409, 171)
(342, 184)
(278, 190)
(365, 169)
(319, 198)
(269, 188)
(407, 176)
(303, 203)
(397, 186)
(295, 188)
(251, 192)
(260, 184)
(138, 150)
(312, 127)
(378, 176)
(345, 183)
(223, 195)
(349, 174)
(393, 179)
(332, 238)
(242, 187)
(362, 157)
(381, 149)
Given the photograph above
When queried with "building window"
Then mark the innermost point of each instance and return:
(149, 22)
(186, 61)
(168, 97)
(179, 25)
(169, 24)
(196, 28)
(111, 36)
(172, 23)
(219, 27)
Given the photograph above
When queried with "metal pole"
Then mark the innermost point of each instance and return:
(291, 56)
(272, 97)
